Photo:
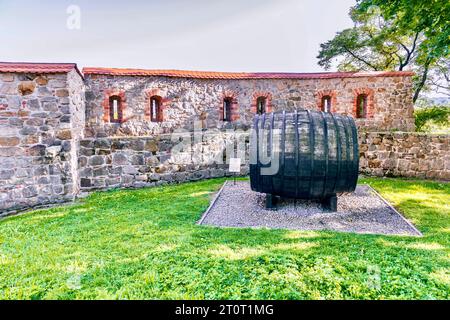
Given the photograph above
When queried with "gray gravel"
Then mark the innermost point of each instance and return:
(362, 212)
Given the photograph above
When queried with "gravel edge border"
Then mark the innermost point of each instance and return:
(418, 233)
(213, 202)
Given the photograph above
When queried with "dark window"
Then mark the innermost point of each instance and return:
(326, 104)
(261, 105)
(226, 116)
(115, 109)
(361, 106)
(155, 109)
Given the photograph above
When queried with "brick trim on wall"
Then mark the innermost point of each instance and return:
(261, 94)
(234, 105)
(323, 93)
(123, 104)
(370, 101)
(164, 102)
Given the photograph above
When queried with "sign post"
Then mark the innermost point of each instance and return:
(235, 167)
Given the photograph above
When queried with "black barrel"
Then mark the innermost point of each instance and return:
(316, 154)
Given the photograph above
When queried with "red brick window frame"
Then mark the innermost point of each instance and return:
(229, 107)
(115, 109)
(156, 114)
(326, 97)
(259, 98)
(363, 103)
(155, 104)
(110, 96)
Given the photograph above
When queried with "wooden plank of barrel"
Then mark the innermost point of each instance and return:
(304, 155)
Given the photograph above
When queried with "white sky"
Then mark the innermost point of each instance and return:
(226, 35)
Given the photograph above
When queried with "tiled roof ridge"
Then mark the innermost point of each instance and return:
(41, 67)
(30, 67)
(239, 75)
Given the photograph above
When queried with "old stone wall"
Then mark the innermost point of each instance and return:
(150, 161)
(56, 140)
(405, 155)
(106, 163)
(185, 101)
(39, 117)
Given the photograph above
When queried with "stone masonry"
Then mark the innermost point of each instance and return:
(150, 161)
(411, 155)
(186, 100)
(41, 117)
(57, 140)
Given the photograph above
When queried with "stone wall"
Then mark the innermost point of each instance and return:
(56, 142)
(39, 117)
(185, 101)
(106, 163)
(149, 161)
(405, 155)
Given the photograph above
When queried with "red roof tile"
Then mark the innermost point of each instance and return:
(239, 75)
(25, 67)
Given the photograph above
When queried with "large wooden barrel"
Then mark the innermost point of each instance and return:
(316, 154)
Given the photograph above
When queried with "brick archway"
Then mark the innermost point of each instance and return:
(161, 96)
(261, 94)
(106, 104)
(232, 95)
(369, 93)
(324, 93)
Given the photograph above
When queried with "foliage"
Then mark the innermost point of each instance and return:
(437, 115)
(399, 34)
(144, 244)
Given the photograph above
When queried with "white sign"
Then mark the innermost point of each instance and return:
(235, 165)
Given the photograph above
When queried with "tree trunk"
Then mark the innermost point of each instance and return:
(423, 79)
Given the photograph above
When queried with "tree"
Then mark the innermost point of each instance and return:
(395, 35)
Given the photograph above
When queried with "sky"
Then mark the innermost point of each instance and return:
(209, 35)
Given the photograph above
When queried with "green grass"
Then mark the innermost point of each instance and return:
(144, 244)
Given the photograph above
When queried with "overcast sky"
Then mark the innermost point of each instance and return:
(225, 35)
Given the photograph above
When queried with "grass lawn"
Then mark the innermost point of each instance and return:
(144, 244)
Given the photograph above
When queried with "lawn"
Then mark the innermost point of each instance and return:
(144, 244)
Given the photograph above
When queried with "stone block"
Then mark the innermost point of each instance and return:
(28, 130)
(34, 122)
(50, 106)
(120, 159)
(96, 160)
(41, 80)
(129, 170)
(64, 134)
(137, 159)
(6, 174)
(26, 87)
(9, 141)
(151, 146)
(102, 171)
(86, 152)
(137, 145)
(102, 144)
(62, 93)
(37, 150)
(85, 183)
(29, 192)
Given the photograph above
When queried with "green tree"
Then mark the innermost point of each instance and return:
(395, 35)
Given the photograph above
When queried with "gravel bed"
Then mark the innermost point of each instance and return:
(362, 211)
